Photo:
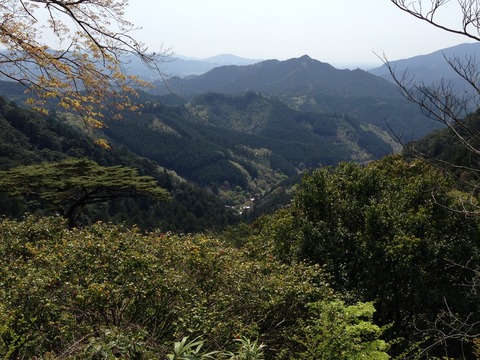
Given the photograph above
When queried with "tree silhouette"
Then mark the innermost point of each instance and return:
(70, 185)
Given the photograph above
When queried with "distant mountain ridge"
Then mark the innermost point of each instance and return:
(229, 59)
(304, 84)
(277, 77)
(184, 66)
(432, 68)
(307, 84)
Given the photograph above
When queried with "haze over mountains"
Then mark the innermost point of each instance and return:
(426, 67)
(431, 68)
(306, 84)
(184, 66)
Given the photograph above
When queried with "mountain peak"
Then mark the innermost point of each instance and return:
(305, 57)
(276, 77)
(230, 59)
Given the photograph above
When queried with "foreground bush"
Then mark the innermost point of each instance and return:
(110, 292)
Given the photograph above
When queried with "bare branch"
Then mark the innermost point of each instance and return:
(469, 9)
(451, 105)
(441, 102)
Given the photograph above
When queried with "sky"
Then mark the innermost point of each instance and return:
(344, 33)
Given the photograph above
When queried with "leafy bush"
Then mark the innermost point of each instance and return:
(192, 350)
(342, 332)
(108, 291)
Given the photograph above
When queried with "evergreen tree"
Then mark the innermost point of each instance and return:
(70, 185)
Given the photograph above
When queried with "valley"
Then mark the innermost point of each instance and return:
(295, 201)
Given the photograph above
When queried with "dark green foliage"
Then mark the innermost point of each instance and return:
(387, 232)
(188, 200)
(249, 141)
(389, 114)
(198, 139)
(227, 171)
(27, 138)
(444, 149)
(32, 138)
(279, 164)
(72, 184)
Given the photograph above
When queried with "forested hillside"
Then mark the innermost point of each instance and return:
(247, 140)
(28, 138)
(382, 254)
(233, 148)
(447, 150)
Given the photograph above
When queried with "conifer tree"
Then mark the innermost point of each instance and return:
(70, 185)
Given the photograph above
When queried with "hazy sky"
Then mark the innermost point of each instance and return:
(340, 32)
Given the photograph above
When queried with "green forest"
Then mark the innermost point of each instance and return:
(279, 210)
(106, 255)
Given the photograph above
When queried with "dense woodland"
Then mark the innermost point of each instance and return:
(256, 212)
(27, 138)
(354, 260)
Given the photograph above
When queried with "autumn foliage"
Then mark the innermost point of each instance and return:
(82, 71)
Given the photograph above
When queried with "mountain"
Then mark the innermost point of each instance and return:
(248, 140)
(229, 59)
(279, 77)
(182, 66)
(310, 85)
(432, 68)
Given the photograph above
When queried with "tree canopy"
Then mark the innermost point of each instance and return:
(389, 232)
(70, 185)
(107, 292)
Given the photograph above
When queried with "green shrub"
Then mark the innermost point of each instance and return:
(108, 291)
(340, 332)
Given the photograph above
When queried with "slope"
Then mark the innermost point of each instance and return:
(281, 77)
(445, 148)
(310, 85)
(248, 141)
(28, 138)
(432, 68)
